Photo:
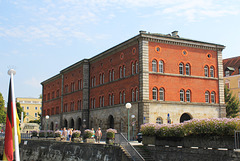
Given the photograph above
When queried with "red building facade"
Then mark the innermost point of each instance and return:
(166, 79)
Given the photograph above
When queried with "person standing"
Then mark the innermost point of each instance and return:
(70, 134)
(64, 133)
(99, 134)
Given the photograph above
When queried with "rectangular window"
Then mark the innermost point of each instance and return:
(35, 114)
(239, 96)
(36, 108)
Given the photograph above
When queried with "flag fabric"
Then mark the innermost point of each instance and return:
(9, 146)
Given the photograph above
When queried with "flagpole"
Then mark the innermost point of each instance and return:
(12, 72)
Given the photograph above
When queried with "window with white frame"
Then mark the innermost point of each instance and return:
(154, 93)
(206, 71)
(36, 115)
(161, 94)
(124, 71)
(239, 83)
(36, 108)
(188, 69)
(213, 100)
(160, 66)
(182, 95)
(239, 96)
(181, 68)
(206, 97)
(154, 66)
(188, 96)
(123, 97)
(212, 71)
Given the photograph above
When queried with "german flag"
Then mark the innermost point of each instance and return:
(9, 146)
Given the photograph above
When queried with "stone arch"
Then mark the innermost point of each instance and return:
(71, 125)
(185, 117)
(65, 123)
(79, 123)
(52, 126)
(110, 122)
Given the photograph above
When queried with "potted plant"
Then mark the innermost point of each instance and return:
(42, 133)
(110, 135)
(76, 136)
(50, 133)
(58, 135)
(34, 134)
(87, 136)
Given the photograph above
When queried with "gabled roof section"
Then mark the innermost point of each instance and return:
(232, 64)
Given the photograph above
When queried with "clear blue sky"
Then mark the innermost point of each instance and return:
(40, 38)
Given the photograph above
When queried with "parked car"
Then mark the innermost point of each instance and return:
(139, 137)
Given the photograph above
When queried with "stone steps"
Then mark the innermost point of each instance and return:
(144, 153)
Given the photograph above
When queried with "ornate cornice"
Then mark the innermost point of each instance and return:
(182, 42)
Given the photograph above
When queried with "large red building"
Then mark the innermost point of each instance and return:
(164, 77)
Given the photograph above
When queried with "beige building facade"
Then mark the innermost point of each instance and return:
(31, 106)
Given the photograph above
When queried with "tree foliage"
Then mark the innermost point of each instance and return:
(232, 103)
(38, 121)
(2, 110)
(20, 110)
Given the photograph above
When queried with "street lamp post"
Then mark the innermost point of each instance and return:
(133, 124)
(47, 117)
(84, 124)
(128, 106)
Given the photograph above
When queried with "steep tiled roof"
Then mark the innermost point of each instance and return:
(232, 63)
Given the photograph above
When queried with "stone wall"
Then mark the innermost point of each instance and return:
(51, 150)
(186, 154)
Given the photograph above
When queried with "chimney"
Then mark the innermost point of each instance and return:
(175, 34)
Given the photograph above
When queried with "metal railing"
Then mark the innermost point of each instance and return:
(122, 141)
(237, 139)
(23, 135)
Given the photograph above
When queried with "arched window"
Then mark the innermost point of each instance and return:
(181, 95)
(124, 71)
(100, 79)
(113, 75)
(120, 72)
(132, 68)
(132, 95)
(94, 81)
(181, 68)
(212, 71)
(159, 120)
(136, 94)
(110, 100)
(188, 69)
(94, 101)
(103, 78)
(110, 76)
(136, 67)
(154, 93)
(154, 66)
(120, 98)
(161, 94)
(123, 97)
(161, 66)
(188, 96)
(206, 71)
(213, 100)
(100, 101)
(207, 97)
